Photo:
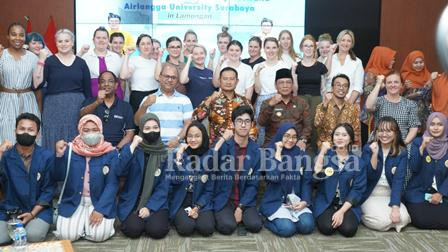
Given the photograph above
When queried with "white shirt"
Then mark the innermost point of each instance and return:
(288, 59)
(434, 183)
(244, 77)
(113, 63)
(352, 68)
(142, 78)
(383, 180)
(267, 76)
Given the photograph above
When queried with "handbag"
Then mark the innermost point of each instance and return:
(55, 210)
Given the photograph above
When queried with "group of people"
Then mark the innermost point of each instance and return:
(234, 144)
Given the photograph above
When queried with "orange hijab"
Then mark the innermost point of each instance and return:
(440, 94)
(82, 149)
(419, 78)
(379, 60)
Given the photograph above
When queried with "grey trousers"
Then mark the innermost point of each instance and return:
(36, 231)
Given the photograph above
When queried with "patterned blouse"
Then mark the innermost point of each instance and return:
(405, 112)
(327, 118)
(219, 114)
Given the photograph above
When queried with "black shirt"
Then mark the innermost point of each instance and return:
(259, 60)
(310, 78)
(116, 119)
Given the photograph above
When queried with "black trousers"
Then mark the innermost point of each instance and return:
(226, 223)
(155, 226)
(136, 98)
(428, 216)
(185, 226)
(348, 227)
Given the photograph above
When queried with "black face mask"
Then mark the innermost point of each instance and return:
(151, 137)
(25, 139)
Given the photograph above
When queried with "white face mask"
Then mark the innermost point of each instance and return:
(92, 139)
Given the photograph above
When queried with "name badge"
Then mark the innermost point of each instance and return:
(329, 171)
(204, 178)
(393, 170)
(105, 170)
(118, 117)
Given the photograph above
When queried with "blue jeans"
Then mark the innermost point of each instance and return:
(286, 228)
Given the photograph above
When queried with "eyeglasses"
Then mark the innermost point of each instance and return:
(106, 115)
(245, 122)
(169, 77)
(289, 137)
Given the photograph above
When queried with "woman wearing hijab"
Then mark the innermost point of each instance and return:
(143, 206)
(417, 82)
(440, 94)
(87, 208)
(288, 192)
(191, 188)
(386, 162)
(427, 191)
(381, 62)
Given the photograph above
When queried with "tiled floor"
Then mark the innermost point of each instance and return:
(411, 239)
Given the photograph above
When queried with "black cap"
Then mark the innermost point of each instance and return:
(283, 73)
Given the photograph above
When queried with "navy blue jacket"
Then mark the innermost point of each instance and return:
(249, 176)
(202, 185)
(276, 191)
(395, 173)
(23, 190)
(132, 167)
(103, 182)
(352, 184)
(424, 168)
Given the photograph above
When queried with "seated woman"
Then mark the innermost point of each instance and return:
(191, 187)
(341, 185)
(386, 161)
(87, 209)
(427, 191)
(288, 192)
(143, 206)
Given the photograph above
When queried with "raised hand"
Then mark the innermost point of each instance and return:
(374, 147)
(130, 50)
(275, 100)
(101, 96)
(325, 147)
(61, 145)
(212, 53)
(279, 146)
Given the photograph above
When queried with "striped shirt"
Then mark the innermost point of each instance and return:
(172, 112)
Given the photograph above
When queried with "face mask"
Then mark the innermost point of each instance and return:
(91, 139)
(25, 139)
(151, 137)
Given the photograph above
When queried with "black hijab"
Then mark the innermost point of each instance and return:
(203, 148)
